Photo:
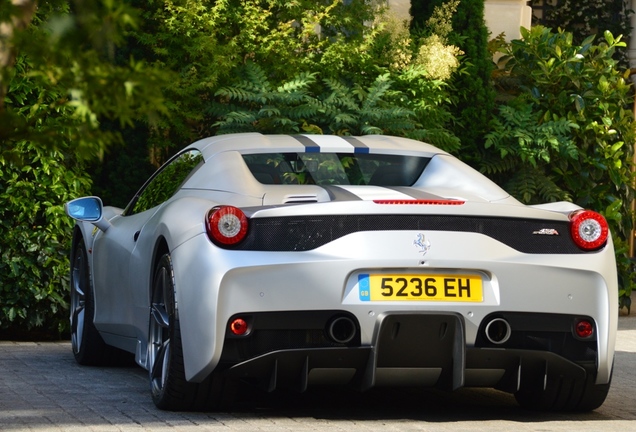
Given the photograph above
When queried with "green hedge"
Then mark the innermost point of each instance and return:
(566, 130)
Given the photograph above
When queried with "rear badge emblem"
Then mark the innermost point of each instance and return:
(422, 243)
(546, 231)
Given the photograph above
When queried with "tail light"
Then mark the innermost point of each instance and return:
(589, 229)
(226, 225)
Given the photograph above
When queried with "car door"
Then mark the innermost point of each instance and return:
(112, 251)
(121, 270)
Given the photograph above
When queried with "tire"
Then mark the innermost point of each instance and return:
(169, 388)
(88, 346)
(563, 394)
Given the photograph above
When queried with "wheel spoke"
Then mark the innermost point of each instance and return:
(160, 315)
(159, 337)
(77, 327)
(161, 360)
(159, 311)
(78, 300)
(77, 289)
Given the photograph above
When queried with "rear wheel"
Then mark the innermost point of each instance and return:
(88, 346)
(562, 394)
(169, 388)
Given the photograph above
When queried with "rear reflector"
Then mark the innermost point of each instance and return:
(584, 329)
(238, 327)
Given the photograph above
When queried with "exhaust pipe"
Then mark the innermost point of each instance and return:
(341, 330)
(498, 331)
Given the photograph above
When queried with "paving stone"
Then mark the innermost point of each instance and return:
(43, 389)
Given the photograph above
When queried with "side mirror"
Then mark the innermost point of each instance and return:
(87, 209)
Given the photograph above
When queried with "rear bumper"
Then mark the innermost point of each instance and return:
(215, 285)
(414, 349)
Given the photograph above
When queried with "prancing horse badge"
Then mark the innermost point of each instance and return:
(422, 243)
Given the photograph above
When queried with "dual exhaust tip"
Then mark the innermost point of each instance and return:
(341, 329)
(498, 331)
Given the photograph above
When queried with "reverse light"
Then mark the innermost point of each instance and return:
(589, 229)
(226, 225)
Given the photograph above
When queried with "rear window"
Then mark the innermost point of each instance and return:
(336, 168)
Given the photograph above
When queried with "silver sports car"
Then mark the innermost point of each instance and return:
(289, 261)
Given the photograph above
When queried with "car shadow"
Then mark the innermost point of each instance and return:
(425, 405)
(414, 404)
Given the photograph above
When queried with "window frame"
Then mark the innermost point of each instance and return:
(130, 208)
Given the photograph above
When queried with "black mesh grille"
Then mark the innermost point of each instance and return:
(302, 233)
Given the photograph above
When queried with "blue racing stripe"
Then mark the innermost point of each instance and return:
(358, 146)
(310, 146)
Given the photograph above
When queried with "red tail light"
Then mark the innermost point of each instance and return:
(226, 225)
(589, 229)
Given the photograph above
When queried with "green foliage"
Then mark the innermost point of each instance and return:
(567, 125)
(306, 105)
(35, 233)
(205, 43)
(167, 181)
(584, 18)
(350, 43)
(119, 174)
(67, 49)
(472, 88)
(59, 82)
(527, 146)
(372, 80)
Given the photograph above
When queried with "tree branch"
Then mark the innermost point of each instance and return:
(21, 16)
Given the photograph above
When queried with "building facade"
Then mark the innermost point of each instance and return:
(502, 16)
(508, 16)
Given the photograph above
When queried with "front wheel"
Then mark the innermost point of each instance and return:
(170, 390)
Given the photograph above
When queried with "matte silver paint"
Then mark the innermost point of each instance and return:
(212, 284)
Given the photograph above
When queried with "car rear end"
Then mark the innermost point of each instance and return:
(429, 293)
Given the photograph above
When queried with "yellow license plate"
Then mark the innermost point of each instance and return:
(439, 287)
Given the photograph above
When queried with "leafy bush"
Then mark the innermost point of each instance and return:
(304, 105)
(380, 80)
(472, 89)
(35, 233)
(70, 47)
(567, 130)
(205, 43)
(58, 82)
(584, 18)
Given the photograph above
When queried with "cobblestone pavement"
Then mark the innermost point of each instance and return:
(43, 389)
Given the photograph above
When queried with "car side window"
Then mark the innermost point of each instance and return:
(166, 181)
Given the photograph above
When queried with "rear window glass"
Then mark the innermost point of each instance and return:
(336, 168)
